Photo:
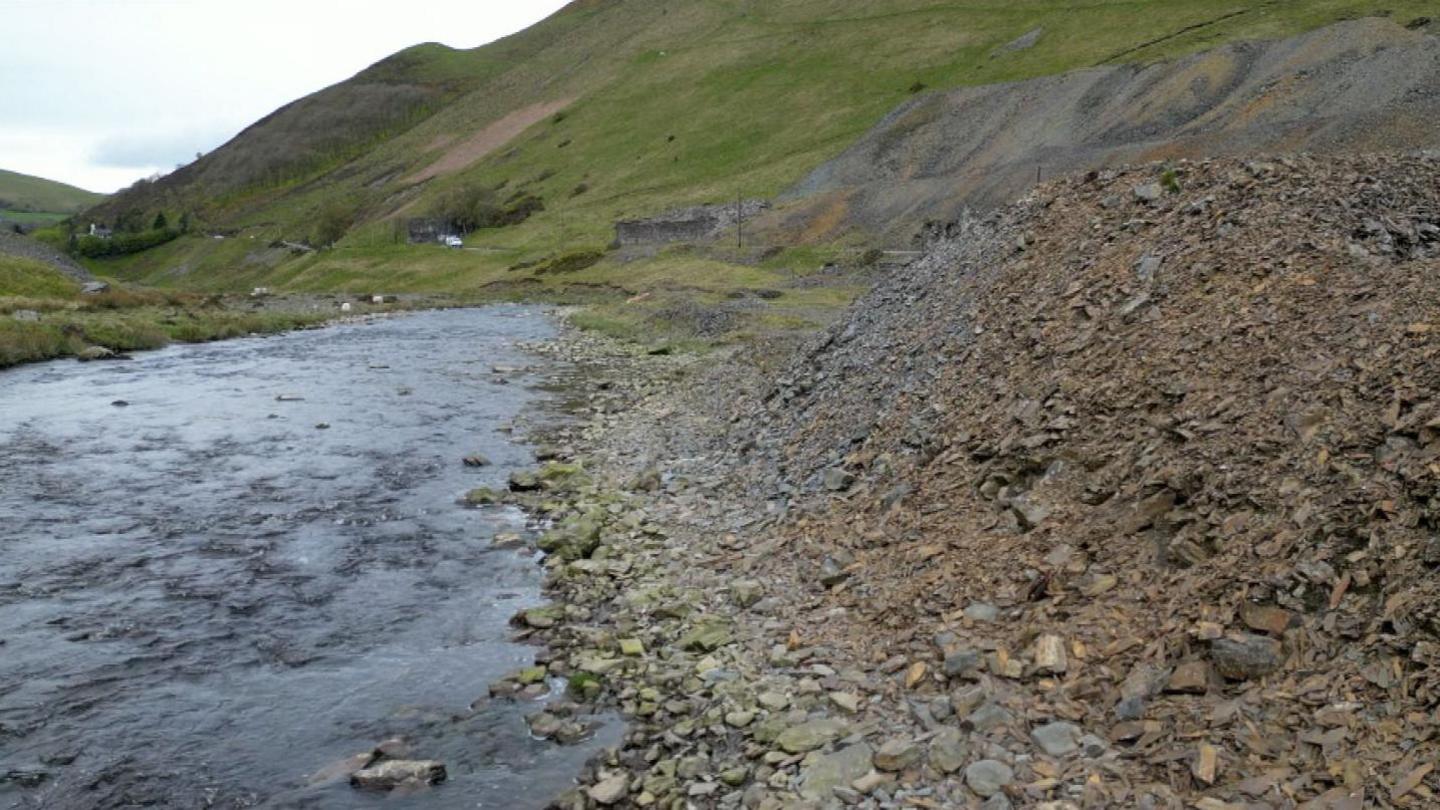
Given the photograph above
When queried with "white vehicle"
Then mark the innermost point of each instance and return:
(454, 242)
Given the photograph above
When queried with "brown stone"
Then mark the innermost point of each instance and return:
(1190, 677)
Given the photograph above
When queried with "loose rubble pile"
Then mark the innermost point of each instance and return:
(1124, 498)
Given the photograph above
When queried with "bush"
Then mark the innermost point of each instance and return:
(122, 244)
(470, 208)
(333, 223)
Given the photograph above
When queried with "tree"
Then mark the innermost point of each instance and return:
(332, 223)
(161, 223)
(185, 222)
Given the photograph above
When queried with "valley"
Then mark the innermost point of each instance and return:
(897, 405)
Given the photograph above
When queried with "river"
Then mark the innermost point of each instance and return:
(226, 566)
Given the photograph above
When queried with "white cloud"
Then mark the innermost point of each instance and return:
(123, 88)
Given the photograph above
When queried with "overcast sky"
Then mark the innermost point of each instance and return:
(99, 93)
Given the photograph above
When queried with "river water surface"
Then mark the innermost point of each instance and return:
(206, 597)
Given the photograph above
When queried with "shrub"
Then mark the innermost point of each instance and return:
(121, 244)
(471, 208)
(333, 222)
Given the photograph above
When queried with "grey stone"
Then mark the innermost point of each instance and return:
(1147, 267)
(94, 287)
(399, 772)
(838, 479)
(25, 315)
(1093, 746)
(610, 791)
(811, 734)
(1150, 192)
(988, 717)
(835, 770)
(1130, 708)
(1030, 512)
(1057, 739)
(832, 572)
(1244, 656)
(746, 592)
(988, 777)
(963, 663)
(897, 755)
(96, 353)
(982, 612)
(948, 750)
(967, 698)
(997, 802)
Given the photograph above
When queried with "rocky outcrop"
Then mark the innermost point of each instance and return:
(700, 223)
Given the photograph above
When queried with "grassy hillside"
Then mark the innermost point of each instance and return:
(658, 104)
(35, 200)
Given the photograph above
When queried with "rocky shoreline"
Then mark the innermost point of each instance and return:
(1124, 498)
(665, 612)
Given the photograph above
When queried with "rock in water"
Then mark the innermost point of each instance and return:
(95, 353)
(524, 481)
(399, 773)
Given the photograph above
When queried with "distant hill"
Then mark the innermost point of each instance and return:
(618, 109)
(21, 192)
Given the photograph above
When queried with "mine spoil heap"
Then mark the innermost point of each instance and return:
(1151, 458)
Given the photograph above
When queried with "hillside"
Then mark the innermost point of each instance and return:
(1362, 86)
(1122, 497)
(23, 194)
(625, 108)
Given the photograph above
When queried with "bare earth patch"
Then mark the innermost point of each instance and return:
(489, 139)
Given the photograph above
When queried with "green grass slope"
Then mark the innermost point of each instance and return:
(36, 195)
(663, 104)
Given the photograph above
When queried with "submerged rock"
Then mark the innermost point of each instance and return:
(399, 773)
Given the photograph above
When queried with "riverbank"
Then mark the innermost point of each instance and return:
(109, 324)
(669, 608)
(1063, 515)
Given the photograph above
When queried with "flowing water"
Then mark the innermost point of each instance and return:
(206, 597)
